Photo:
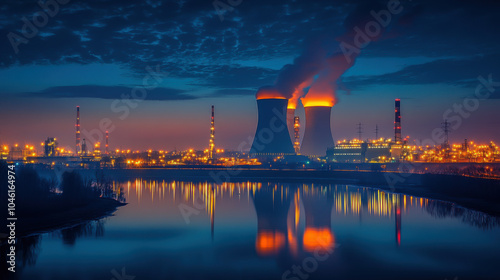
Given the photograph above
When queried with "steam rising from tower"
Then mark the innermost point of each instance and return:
(299, 92)
(319, 68)
(78, 147)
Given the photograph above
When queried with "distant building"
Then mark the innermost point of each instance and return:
(358, 151)
(15, 153)
(50, 147)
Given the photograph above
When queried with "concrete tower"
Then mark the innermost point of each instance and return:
(296, 134)
(290, 118)
(397, 121)
(212, 137)
(318, 135)
(78, 146)
(272, 137)
(106, 151)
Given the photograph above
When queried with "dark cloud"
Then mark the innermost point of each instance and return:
(230, 76)
(188, 39)
(233, 91)
(110, 92)
(463, 72)
(459, 72)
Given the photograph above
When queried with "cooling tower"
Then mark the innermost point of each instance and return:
(272, 136)
(318, 134)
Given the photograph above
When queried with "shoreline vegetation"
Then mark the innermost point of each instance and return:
(48, 204)
(95, 210)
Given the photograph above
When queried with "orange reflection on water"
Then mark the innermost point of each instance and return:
(269, 242)
(318, 238)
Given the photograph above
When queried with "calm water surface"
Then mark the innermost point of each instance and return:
(192, 230)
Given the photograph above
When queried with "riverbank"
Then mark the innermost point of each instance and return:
(41, 222)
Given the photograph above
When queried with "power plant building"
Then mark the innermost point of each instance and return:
(358, 151)
(50, 147)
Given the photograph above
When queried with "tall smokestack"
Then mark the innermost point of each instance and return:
(84, 148)
(107, 143)
(299, 92)
(78, 146)
(397, 121)
(318, 134)
(271, 137)
(290, 120)
(296, 131)
(212, 136)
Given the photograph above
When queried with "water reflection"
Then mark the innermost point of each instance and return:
(265, 229)
(446, 210)
(279, 209)
(28, 248)
(272, 227)
(87, 229)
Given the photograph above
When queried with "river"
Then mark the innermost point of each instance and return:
(248, 230)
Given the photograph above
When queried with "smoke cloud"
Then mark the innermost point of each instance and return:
(292, 76)
(321, 65)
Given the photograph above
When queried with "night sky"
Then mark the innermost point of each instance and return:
(92, 53)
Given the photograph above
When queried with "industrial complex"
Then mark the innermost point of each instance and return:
(276, 143)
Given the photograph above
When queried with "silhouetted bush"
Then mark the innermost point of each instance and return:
(36, 196)
(31, 192)
(77, 190)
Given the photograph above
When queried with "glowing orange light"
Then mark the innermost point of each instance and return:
(268, 93)
(270, 97)
(315, 238)
(269, 243)
(317, 103)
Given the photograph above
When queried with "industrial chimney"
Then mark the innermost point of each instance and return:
(272, 137)
(78, 147)
(290, 118)
(106, 151)
(212, 137)
(318, 135)
(397, 122)
(296, 134)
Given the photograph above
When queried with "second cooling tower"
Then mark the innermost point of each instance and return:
(318, 134)
(272, 137)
